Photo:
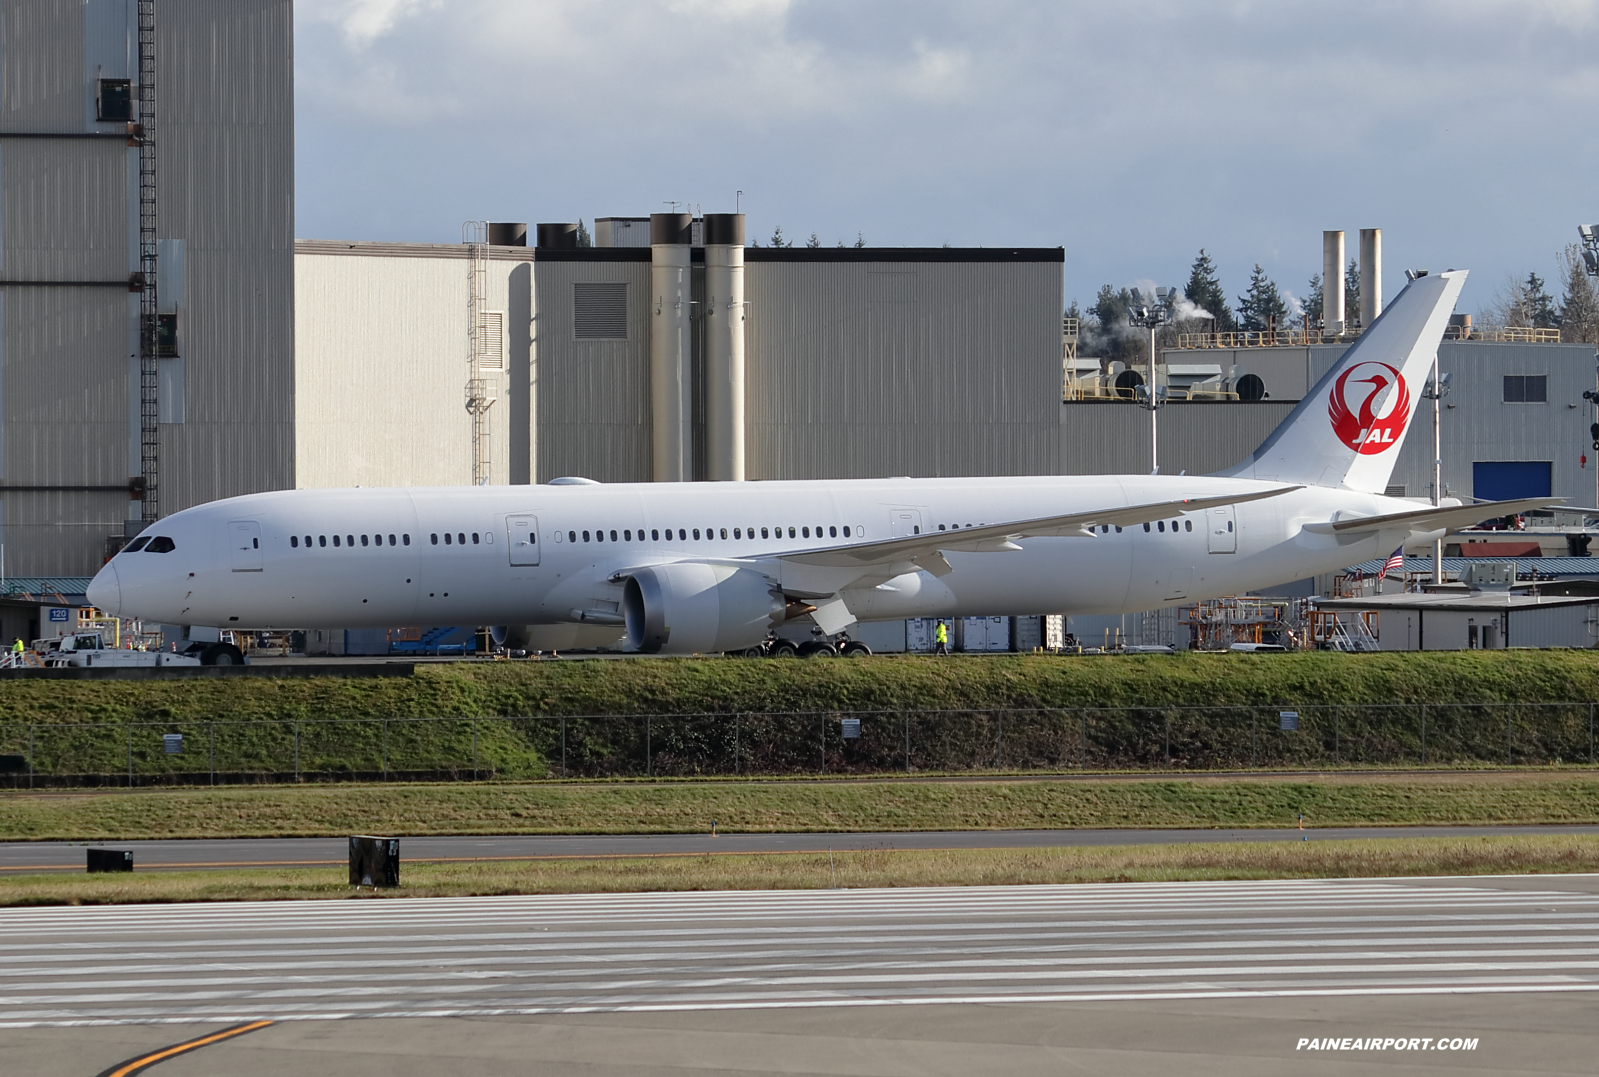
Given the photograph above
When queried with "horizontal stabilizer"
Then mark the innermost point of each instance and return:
(1432, 518)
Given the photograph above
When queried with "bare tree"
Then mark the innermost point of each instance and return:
(1579, 305)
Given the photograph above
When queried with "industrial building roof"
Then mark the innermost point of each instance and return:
(1543, 566)
(1465, 602)
(44, 588)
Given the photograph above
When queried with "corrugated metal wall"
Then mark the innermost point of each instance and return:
(1199, 438)
(226, 182)
(381, 365)
(1558, 626)
(902, 367)
(592, 397)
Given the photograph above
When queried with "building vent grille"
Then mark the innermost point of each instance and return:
(599, 311)
(491, 341)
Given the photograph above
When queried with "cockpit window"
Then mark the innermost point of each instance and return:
(137, 544)
(160, 544)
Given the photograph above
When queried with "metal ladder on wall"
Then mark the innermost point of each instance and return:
(479, 395)
(1353, 636)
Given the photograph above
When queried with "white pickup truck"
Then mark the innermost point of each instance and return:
(89, 649)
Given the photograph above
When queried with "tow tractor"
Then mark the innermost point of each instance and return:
(89, 649)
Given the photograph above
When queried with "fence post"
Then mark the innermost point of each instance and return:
(563, 746)
(1424, 734)
(297, 750)
(1509, 713)
(1590, 734)
(1254, 754)
(130, 755)
(649, 749)
(474, 749)
(999, 744)
(907, 742)
(211, 736)
(1082, 744)
(1338, 752)
(30, 746)
(736, 718)
(1167, 739)
(385, 749)
(824, 744)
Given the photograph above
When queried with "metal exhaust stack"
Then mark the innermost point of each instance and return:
(724, 346)
(1370, 275)
(1332, 282)
(670, 346)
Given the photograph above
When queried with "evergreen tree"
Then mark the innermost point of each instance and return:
(1579, 307)
(583, 237)
(1205, 292)
(1262, 305)
(1110, 307)
(777, 238)
(1540, 307)
(1074, 311)
(1352, 293)
(860, 240)
(813, 243)
(1314, 301)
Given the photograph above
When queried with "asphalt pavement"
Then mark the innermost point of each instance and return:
(1442, 975)
(222, 854)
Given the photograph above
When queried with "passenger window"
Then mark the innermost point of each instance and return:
(308, 542)
(696, 534)
(1174, 526)
(474, 538)
(1188, 525)
(941, 527)
(1229, 525)
(446, 538)
(613, 536)
(628, 535)
(655, 534)
(322, 540)
(791, 533)
(294, 540)
(364, 541)
(724, 532)
(585, 536)
(335, 540)
(391, 540)
(764, 534)
(846, 530)
(404, 540)
(682, 534)
(1119, 528)
(1146, 527)
(737, 533)
(1161, 526)
(832, 532)
(461, 538)
(349, 540)
(571, 536)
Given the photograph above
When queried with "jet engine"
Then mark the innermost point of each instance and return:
(693, 608)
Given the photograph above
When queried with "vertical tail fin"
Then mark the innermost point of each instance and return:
(1348, 430)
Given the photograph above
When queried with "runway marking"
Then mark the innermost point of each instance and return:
(143, 1062)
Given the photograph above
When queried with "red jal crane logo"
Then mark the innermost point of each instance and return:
(1369, 387)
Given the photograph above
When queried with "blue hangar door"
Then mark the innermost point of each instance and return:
(1505, 480)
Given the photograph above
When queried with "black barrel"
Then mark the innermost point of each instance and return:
(557, 237)
(110, 860)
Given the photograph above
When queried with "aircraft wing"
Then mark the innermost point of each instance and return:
(1431, 518)
(926, 551)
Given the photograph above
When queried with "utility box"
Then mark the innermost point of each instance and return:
(110, 860)
(374, 861)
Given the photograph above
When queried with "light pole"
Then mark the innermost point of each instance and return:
(1152, 312)
(1437, 388)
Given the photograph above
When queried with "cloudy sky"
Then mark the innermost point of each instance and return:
(1130, 133)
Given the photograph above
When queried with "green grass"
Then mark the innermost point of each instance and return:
(687, 807)
(723, 686)
(872, 867)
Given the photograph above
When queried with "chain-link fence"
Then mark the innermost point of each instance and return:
(1175, 739)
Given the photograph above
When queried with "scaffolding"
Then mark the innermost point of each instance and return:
(482, 347)
(149, 311)
(1217, 624)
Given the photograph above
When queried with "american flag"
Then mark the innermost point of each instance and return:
(1395, 563)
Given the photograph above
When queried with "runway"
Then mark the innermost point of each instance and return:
(220, 854)
(477, 957)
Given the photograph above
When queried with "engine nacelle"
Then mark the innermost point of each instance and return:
(512, 637)
(694, 608)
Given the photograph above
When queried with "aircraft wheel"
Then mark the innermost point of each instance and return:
(856, 649)
(818, 650)
(784, 649)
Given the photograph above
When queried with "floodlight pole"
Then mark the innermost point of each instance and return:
(1437, 470)
(1157, 313)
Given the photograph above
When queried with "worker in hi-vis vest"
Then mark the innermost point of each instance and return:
(941, 639)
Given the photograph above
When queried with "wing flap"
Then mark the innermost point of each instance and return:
(1432, 518)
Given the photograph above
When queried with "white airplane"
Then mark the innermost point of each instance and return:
(682, 568)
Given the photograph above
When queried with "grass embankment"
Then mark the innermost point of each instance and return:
(640, 808)
(1032, 712)
(890, 682)
(872, 867)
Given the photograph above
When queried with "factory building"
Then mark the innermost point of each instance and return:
(118, 156)
(673, 361)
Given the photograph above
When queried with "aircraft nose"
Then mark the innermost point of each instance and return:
(105, 590)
